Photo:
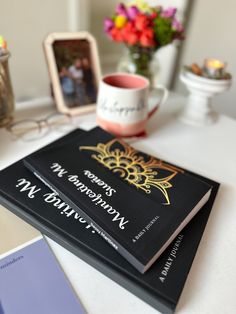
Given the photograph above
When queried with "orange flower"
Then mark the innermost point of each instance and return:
(147, 38)
(116, 35)
(148, 32)
(132, 38)
(129, 27)
(130, 34)
(142, 21)
(154, 15)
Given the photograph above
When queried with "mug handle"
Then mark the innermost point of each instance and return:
(153, 108)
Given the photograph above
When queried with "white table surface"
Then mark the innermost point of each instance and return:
(210, 151)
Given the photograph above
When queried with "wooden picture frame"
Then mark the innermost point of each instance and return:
(74, 70)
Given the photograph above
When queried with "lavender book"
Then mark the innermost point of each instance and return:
(31, 280)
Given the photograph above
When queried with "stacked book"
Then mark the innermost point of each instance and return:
(31, 279)
(121, 210)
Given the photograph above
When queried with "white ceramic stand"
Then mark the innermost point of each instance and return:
(198, 109)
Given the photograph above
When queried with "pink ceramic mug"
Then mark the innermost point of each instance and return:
(122, 105)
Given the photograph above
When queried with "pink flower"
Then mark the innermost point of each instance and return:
(132, 12)
(121, 10)
(169, 13)
(108, 25)
(177, 26)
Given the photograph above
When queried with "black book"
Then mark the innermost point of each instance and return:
(136, 202)
(160, 287)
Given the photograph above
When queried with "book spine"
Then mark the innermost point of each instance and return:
(45, 182)
(113, 243)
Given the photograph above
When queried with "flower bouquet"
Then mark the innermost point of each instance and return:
(143, 29)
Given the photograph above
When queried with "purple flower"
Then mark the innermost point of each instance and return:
(169, 13)
(176, 25)
(108, 24)
(132, 12)
(121, 10)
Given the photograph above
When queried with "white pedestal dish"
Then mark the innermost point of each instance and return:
(198, 109)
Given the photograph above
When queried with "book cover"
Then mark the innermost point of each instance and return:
(31, 280)
(136, 202)
(160, 287)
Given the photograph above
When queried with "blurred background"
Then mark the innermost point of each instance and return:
(209, 26)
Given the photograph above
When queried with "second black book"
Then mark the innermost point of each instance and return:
(136, 202)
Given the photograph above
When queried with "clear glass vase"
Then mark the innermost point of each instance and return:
(142, 61)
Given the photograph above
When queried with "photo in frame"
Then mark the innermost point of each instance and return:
(74, 71)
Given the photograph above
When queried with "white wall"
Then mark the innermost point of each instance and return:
(211, 33)
(25, 24)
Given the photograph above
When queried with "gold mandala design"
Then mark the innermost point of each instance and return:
(133, 168)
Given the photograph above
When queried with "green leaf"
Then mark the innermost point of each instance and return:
(163, 31)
